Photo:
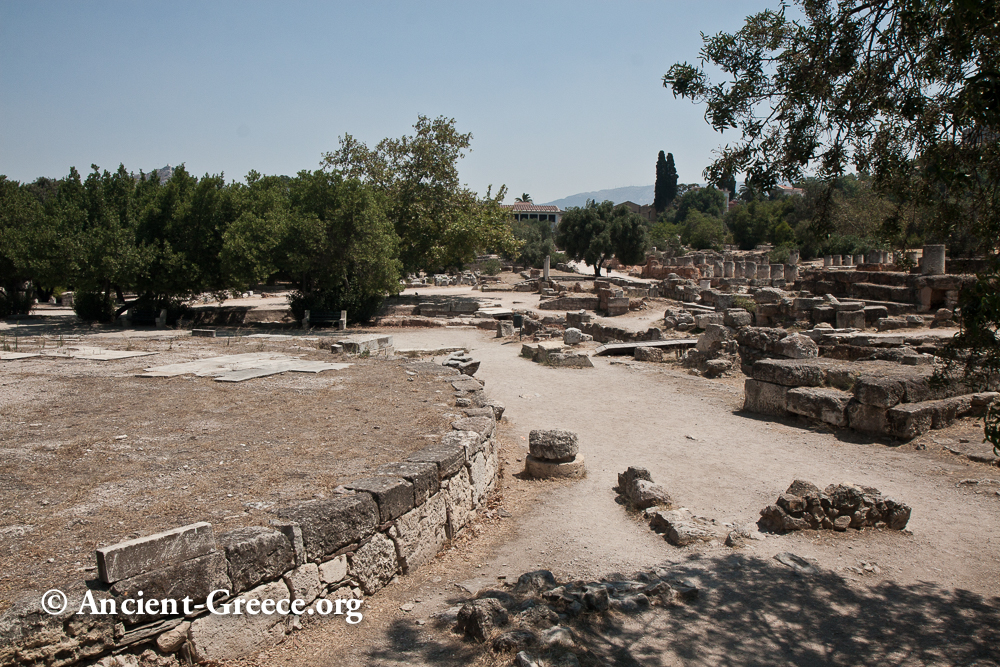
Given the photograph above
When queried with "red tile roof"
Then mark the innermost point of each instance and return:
(523, 207)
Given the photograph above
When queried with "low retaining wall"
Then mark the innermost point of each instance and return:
(336, 549)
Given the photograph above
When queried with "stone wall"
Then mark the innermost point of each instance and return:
(339, 548)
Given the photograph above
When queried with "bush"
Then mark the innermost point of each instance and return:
(359, 308)
(491, 267)
(93, 306)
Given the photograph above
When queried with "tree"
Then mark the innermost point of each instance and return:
(908, 92)
(728, 182)
(596, 232)
(439, 222)
(525, 199)
(665, 189)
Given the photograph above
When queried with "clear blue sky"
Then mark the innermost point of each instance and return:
(561, 97)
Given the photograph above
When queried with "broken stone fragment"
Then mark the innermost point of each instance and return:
(553, 445)
(479, 618)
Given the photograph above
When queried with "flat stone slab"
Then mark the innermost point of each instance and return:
(496, 313)
(133, 557)
(11, 356)
(94, 353)
(417, 352)
(239, 367)
(467, 384)
(614, 349)
(365, 343)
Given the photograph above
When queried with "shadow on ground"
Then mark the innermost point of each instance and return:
(753, 611)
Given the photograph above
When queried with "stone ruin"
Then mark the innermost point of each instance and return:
(839, 507)
(339, 548)
(461, 362)
(554, 453)
(533, 618)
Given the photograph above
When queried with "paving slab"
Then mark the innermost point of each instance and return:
(629, 348)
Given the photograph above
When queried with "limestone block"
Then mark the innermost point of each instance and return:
(194, 578)
(221, 638)
(681, 527)
(574, 336)
(714, 338)
(797, 346)
(467, 384)
(850, 319)
(483, 426)
(374, 564)
(254, 555)
(554, 444)
(879, 390)
(29, 636)
(505, 328)
(303, 582)
(867, 418)
(790, 372)
(329, 525)
(908, 420)
(449, 458)
(458, 496)
(653, 354)
(334, 570)
(394, 495)
(560, 360)
(737, 318)
(643, 493)
(478, 475)
(422, 477)
(127, 559)
(420, 533)
(828, 405)
(764, 398)
(574, 468)
(702, 321)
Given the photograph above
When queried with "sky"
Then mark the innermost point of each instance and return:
(560, 97)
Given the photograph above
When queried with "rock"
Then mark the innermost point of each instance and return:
(642, 494)
(768, 295)
(574, 336)
(420, 533)
(255, 555)
(557, 636)
(374, 564)
(827, 405)
(803, 488)
(631, 604)
(797, 563)
(422, 476)
(497, 407)
(573, 360)
(535, 582)
(553, 445)
(682, 528)
(449, 458)
(737, 318)
(333, 571)
(596, 598)
(172, 640)
(544, 469)
(842, 523)
(479, 618)
(468, 368)
(515, 640)
(505, 328)
(525, 660)
(765, 398)
(653, 354)
(797, 346)
(632, 473)
(714, 338)
(539, 615)
(717, 367)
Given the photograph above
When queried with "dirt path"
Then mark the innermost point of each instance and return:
(720, 464)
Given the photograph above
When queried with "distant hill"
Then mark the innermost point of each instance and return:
(639, 194)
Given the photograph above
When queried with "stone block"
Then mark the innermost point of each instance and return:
(737, 318)
(652, 354)
(29, 636)
(850, 319)
(479, 477)
(908, 420)
(681, 527)
(702, 321)
(254, 555)
(879, 390)
(828, 405)
(132, 557)
(791, 372)
(423, 477)
(467, 384)
(574, 336)
(303, 582)
(420, 533)
(459, 501)
(553, 445)
(797, 346)
(333, 571)
(221, 638)
(482, 426)
(329, 525)
(370, 343)
(203, 333)
(394, 495)
(765, 398)
(505, 328)
(374, 564)
(573, 468)
(449, 458)
(560, 360)
(867, 418)
(194, 578)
